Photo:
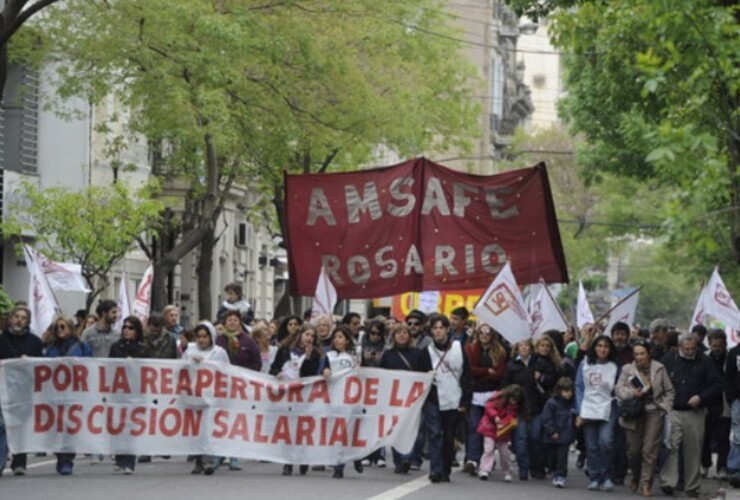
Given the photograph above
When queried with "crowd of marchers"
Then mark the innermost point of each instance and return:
(648, 409)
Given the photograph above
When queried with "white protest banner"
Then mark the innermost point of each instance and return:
(583, 310)
(502, 307)
(325, 298)
(699, 311)
(124, 306)
(624, 311)
(169, 407)
(718, 303)
(143, 298)
(41, 300)
(61, 275)
(546, 314)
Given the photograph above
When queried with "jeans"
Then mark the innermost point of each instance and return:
(717, 430)
(440, 426)
(3, 443)
(528, 446)
(559, 458)
(126, 461)
(474, 449)
(416, 455)
(399, 458)
(620, 452)
(599, 436)
(733, 460)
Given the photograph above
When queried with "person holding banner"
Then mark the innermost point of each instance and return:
(400, 356)
(448, 399)
(65, 342)
(342, 357)
(596, 409)
(487, 359)
(205, 349)
(18, 342)
(300, 355)
(130, 345)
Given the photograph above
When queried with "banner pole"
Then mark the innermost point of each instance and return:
(607, 313)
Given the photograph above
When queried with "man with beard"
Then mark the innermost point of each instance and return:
(415, 321)
(17, 341)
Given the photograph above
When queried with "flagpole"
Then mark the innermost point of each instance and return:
(560, 312)
(607, 313)
(701, 291)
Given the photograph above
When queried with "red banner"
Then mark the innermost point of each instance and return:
(420, 226)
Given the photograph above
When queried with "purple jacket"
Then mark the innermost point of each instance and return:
(247, 355)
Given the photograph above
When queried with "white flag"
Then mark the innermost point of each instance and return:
(718, 303)
(325, 298)
(143, 299)
(41, 300)
(624, 311)
(700, 310)
(546, 314)
(62, 275)
(502, 307)
(124, 306)
(583, 309)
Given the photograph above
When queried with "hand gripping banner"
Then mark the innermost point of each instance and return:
(148, 407)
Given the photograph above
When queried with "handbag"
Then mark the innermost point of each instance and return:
(632, 408)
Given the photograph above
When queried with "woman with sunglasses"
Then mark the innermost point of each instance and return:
(64, 341)
(130, 345)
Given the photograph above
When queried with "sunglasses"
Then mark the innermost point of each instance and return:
(128, 327)
(413, 323)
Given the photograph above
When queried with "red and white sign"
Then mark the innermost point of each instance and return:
(502, 307)
(420, 226)
(148, 407)
(143, 299)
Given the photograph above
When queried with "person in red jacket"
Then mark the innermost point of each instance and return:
(496, 427)
(487, 358)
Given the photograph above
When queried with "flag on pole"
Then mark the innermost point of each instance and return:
(41, 300)
(325, 298)
(718, 303)
(624, 311)
(61, 275)
(699, 311)
(124, 306)
(546, 314)
(502, 307)
(143, 299)
(583, 309)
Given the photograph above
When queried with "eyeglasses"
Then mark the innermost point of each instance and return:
(128, 327)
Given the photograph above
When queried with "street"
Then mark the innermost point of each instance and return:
(171, 479)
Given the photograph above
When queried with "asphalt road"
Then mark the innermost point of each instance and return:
(171, 479)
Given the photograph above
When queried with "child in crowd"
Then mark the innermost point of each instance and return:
(558, 423)
(235, 302)
(496, 426)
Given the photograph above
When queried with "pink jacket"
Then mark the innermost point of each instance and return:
(487, 426)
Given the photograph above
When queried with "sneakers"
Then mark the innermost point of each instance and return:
(704, 471)
(198, 469)
(19, 471)
(508, 478)
(722, 474)
(415, 465)
(366, 463)
(127, 471)
(209, 469)
(64, 469)
(558, 482)
(471, 466)
(287, 470)
(483, 475)
(359, 468)
(338, 474)
(608, 485)
(380, 463)
(593, 486)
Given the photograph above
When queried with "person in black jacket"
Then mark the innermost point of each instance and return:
(17, 341)
(697, 383)
(732, 387)
(448, 399)
(130, 345)
(558, 423)
(717, 426)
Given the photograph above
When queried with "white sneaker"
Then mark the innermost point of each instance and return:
(471, 467)
(366, 463)
(380, 463)
(704, 471)
(508, 478)
(483, 475)
(128, 471)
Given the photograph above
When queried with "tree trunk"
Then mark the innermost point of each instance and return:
(205, 267)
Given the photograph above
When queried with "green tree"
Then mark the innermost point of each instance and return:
(94, 227)
(237, 91)
(655, 89)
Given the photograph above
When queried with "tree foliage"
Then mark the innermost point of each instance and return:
(95, 227)
(237, 91)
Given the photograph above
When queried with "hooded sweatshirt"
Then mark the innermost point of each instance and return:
(214, 353)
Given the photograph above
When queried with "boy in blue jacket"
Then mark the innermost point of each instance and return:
(558, 423)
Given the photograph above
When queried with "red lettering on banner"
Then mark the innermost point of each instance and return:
(322, 439)
(339, 432)
(172, 428)
(167, 381)
(80, 378)
(221, 428)
(112, 429)
(238, 389)
(259, 437)
(381, 425)
(319, 390)
(276, 394)
(356, 441)
(183, 383)
(295, 392)
(222, 381)
(102, 385)
(148, 380)
(352, 390)
(394, 399)
(204, 379)
(74, 419)
(61, 377)
(371, 391)
(43, 418)
(120, 381)
(304, 430)
(41, 373)
(60, 418)
(240, 428)
(137, 417)
(417, 391)
(282, 431)
(258, 386)
(97, 409)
